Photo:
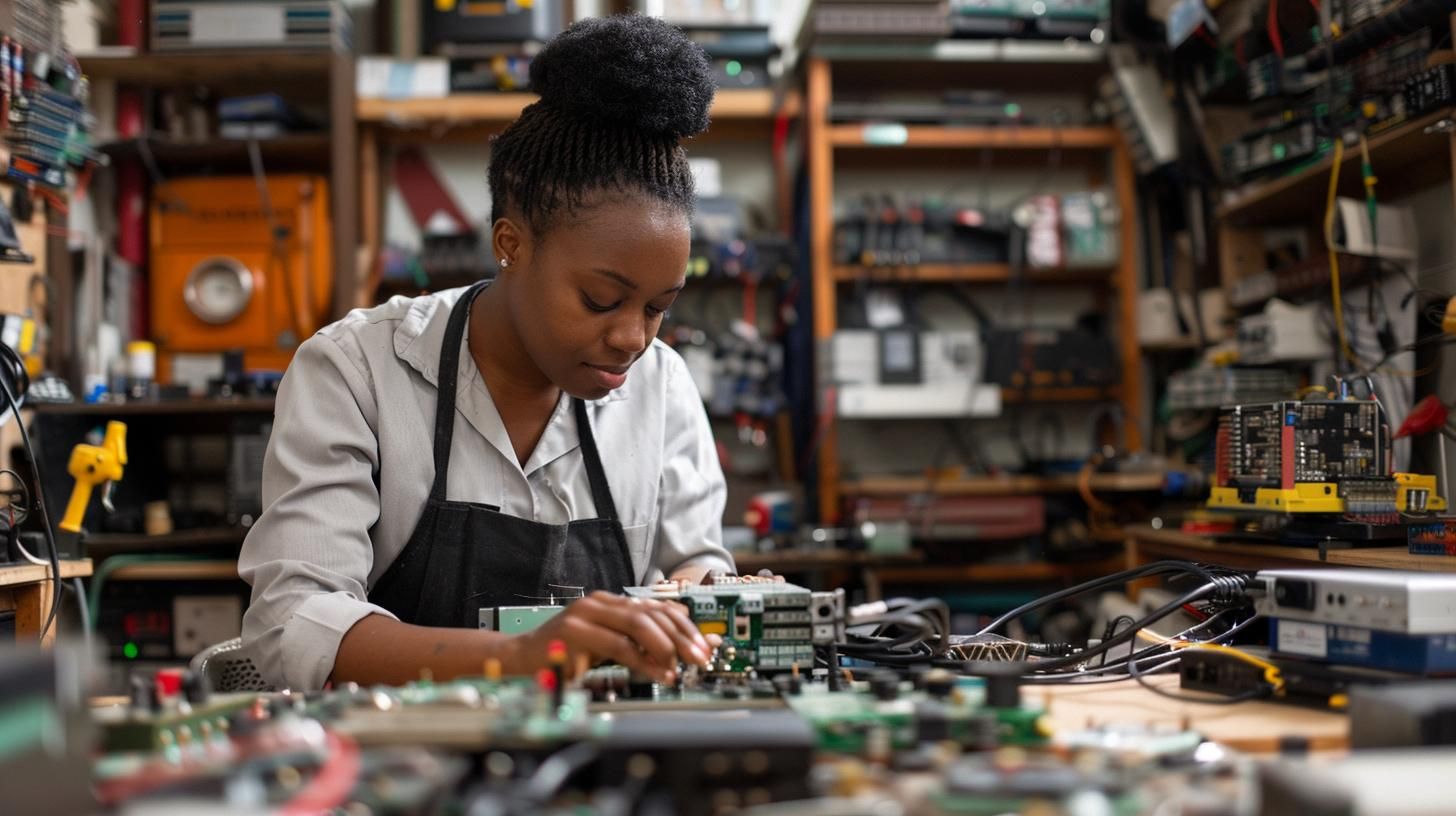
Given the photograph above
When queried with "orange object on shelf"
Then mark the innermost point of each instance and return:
(232, 268)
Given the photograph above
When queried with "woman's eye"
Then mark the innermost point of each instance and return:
(594, 306)
(653, 311)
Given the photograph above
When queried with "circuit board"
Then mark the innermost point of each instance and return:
(1278, 443)
(766, 626)
(860, 722)
(1324, 457)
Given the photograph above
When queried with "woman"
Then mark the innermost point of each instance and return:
(408, 484)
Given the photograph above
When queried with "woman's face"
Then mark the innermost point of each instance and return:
(589, 297)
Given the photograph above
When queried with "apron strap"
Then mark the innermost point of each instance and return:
(448, 378)
(601, 492)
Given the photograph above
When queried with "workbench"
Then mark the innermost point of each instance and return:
(1145, 544)
(28, 589)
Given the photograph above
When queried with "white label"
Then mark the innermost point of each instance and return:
(238, 24)
(1302, 638)
(886, 134)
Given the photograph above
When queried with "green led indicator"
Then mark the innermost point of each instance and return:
(1279, 151)
(734, 68)
(1013, 109)
(130, 650)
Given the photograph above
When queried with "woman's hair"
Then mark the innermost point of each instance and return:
(617, 95)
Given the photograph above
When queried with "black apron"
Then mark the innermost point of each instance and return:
(464, 556)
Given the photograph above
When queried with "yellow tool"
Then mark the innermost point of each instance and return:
(93, 465)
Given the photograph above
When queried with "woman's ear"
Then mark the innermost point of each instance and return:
(509, 243)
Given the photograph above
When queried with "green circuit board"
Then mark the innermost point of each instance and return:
(766, 627)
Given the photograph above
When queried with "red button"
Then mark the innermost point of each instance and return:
(169, 682)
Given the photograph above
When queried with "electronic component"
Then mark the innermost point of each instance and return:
(1306, 682)
(905, 373)
(452, 27)
(1401, 716)
(1282, 333)
(903, 21)
(1434, 537)
(1362, 646)
(1209, 388)
(1019, 358)
(47, 730)
(1133, 93)
(1416, 603)
(1432, 89)
(956, 710)
(1327, 457)
(738, 54)
(1363, 783)
(189, 25)
(230, 273)
(765, 626)
(513, 620)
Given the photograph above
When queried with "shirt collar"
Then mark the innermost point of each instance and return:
(421, 332)
(417, 341)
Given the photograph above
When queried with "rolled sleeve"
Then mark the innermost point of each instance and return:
(693, 492)
(309, 554)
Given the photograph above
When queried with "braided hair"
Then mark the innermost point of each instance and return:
(618, 94)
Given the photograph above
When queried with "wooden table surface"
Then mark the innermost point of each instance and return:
(1145, 544)
(1254, 727)
(27, 589)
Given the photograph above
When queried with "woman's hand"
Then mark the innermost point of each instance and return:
(647, 636)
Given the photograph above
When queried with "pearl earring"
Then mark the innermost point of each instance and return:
(505, 262)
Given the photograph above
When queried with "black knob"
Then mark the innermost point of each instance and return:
(195, 687)
(885, 685)
(939, 683)
(1003, 682)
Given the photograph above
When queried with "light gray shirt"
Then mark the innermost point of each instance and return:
(349, 467)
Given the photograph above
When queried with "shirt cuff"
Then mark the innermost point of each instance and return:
(311, 637)
(722, 562)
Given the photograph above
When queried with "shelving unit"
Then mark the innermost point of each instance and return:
(329, 76)
(828, 141)
(736, 114)
(1002, 485)
(967, 273)
(251, 405)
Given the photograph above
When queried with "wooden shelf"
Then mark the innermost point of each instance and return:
(177, 571)
(1058, 394)
(466, 109)
(1016, 52)
(1000, 485)
(966, 273)
(1146, 544)
(18, 574)
(999, 573)
(250, 405)
(208, 68)
(180, 540)
(796, 560)
(876, 136)
(292, 147)
(1398, 156)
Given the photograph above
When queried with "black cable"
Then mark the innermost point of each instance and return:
(1156, 615)
(1145, 571)
(558, 769)
(1143, 656)
(20, 381)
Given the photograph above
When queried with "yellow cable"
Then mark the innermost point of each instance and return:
(1330, 247)
(1272, 676)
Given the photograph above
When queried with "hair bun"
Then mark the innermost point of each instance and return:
(629, 71)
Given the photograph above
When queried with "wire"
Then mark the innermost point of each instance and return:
(1142, 680)
(558, 768)
(20, 380)
(1330, 247)
(81, 607)
(1145, 571)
